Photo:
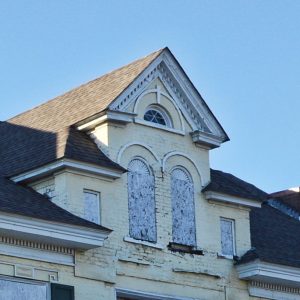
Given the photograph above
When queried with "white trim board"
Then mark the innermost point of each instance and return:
(67, 163)
(219, 197)
(66, 235)
(270, 273)
(37, 254)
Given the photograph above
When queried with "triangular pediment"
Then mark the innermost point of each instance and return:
(176, 84)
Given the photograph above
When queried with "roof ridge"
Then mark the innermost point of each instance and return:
(156, 53)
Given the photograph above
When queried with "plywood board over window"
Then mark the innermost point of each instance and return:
(15, 290)
(183, 208)
(141, 201)
(92, 206)
(227, 237)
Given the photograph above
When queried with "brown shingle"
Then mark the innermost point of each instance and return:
(44, 133)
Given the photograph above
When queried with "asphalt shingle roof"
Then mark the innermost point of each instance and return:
(16, 199)
(44, 133)
(229, 184)
(275, 237)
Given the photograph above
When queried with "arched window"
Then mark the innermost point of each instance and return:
(141, 201)
(157, 115)
(183, 208)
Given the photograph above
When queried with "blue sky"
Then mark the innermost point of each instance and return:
(243, 56)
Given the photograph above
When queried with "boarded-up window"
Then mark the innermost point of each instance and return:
(227, 237)
(141, 201)
(14, 290)
(183, 208)
(92, 206)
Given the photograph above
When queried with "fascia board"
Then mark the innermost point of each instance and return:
(219, 197)
(66, 235)
(67, 163)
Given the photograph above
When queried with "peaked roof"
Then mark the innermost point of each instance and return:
(275, 237)
(229, 184)
(44, 133)
(16, 199)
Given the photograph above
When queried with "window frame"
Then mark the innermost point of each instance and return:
(167, 118)
(232, 221)
(98, 194)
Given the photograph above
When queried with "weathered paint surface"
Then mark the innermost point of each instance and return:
(227, 241)
(183, 208)
(12, 290)
(91, 207)
(141, 202)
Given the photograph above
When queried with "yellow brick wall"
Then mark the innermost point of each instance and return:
(121, 264)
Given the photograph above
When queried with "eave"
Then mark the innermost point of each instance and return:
(59, 234)
(67, 164)
(269, 273)
(229, 199)
(116, 117)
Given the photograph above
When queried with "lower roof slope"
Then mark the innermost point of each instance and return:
(229, 184)
(275, 237)
(23, 148)
(16, 199)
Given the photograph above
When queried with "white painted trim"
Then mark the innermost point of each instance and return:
(191, 93)
(174, 153)
(146, 92)
(159, 93)
(37, 254)
(109, 116)
(67, 163)
(262, 271)
(206, 139)
(139, 295)
(158, 126)
(123, 148)
(271, 294)
(273, 291)
(140, 242)
(62, 234)
(179, 86)
(218, 197)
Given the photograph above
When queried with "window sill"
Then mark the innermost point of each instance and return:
(140, 242)
(154, 125)
(231, 257)
(174, 247)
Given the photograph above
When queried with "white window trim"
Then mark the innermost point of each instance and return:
(164, 114)
(232, 221)
(98, 194)
(158, 126)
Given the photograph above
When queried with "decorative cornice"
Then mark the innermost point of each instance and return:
(180, 88)
(273, 291)
(65, 235)
(36, 245)
(269, 273)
